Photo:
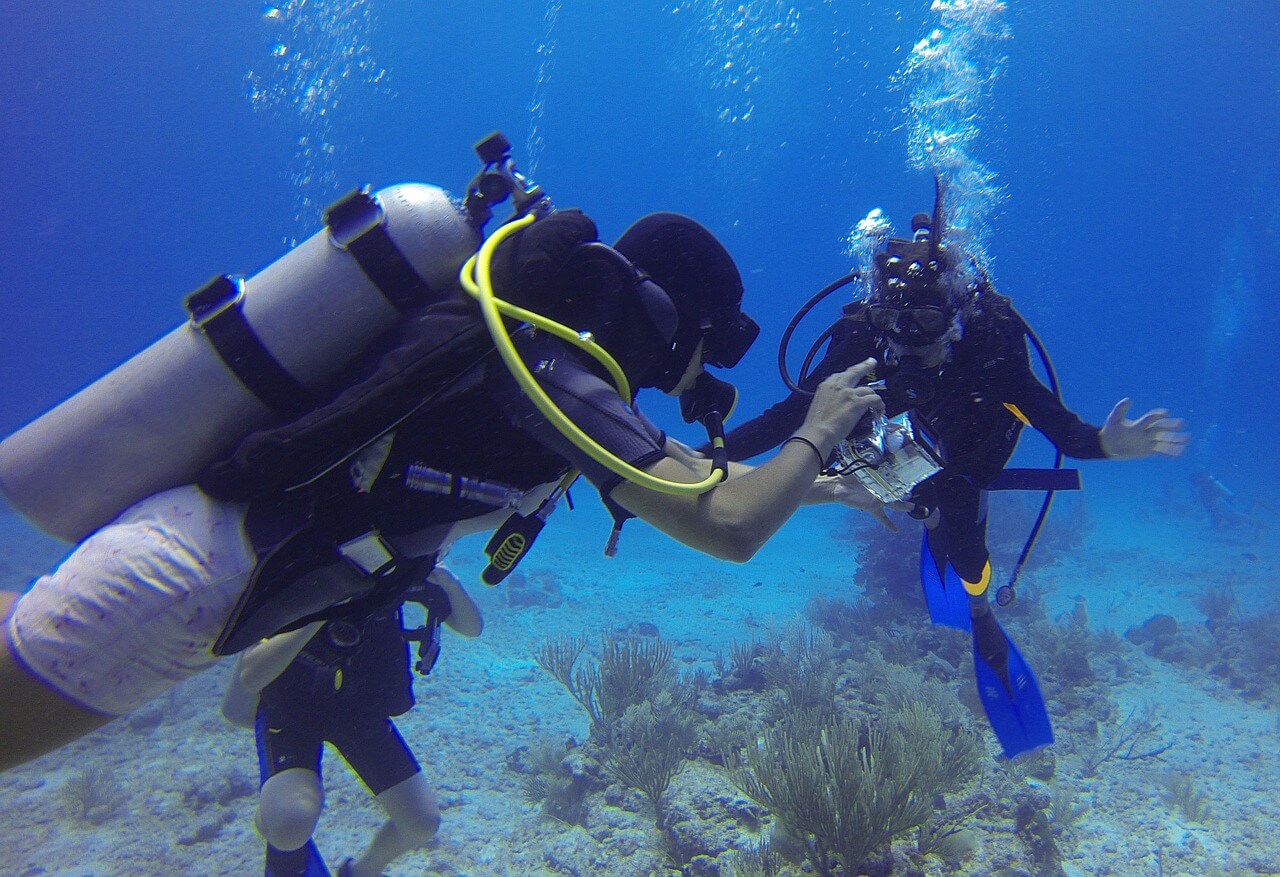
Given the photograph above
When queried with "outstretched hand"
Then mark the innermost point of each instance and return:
(849, 491)
(1153, 433)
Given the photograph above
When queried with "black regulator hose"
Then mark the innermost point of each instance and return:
(795, 321)
(1007, 593)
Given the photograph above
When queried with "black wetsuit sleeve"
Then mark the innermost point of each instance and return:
(1062, 426)
(772, 426)
(590, 402)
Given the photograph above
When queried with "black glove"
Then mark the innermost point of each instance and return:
(527, 267)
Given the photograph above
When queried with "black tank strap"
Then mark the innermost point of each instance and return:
(216, 311)
(357, 224)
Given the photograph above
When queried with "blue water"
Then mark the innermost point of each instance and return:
(1133, 153)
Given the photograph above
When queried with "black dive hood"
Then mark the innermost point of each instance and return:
(635, 320)
(695, 270)
(630, 316)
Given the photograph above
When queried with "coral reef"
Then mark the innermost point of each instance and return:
(801, 667)
(1138, 738)
(1181, 794)
(550, 781)
(1241, 650)
(848, 787)
(642, 718)
(93, 794)
(756, 861)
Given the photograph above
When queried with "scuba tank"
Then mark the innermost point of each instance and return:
(255, 351)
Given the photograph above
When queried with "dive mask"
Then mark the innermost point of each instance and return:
(926, 321)
(726, 337)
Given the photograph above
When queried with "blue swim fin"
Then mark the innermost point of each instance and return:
(302, 862)
(943, 592)
(1009, 691)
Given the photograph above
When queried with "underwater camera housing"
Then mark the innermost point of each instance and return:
(887, 459)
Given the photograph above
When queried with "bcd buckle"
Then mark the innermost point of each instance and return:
(353, 216)
(370, 554)
(214, 299)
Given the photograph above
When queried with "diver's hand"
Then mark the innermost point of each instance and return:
(849, 491)
(1153, 433)
(839, 403)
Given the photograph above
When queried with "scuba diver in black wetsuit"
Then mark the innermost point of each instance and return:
(953, 353)
(346, 684)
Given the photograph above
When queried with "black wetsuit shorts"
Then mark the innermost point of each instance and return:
(372, 746)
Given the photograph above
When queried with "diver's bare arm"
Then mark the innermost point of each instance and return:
(696, 460)
(734, 519)
(464, 614)
(823, 491)
(264, 661)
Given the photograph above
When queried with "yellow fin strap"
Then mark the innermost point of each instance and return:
(1017, 412)
(978, 588)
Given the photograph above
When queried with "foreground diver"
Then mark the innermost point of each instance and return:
(352, 500)
(345, 685)
(954, 355)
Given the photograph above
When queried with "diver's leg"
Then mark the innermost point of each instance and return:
(384, 762)
(413, 819)
(290, 807)
(965, 521)
(926, 497)
(290, 747)
(35, 719)
(127, 615)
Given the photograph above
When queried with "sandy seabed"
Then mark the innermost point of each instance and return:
(186, 781)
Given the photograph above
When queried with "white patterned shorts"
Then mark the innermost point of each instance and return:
(135, 609)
